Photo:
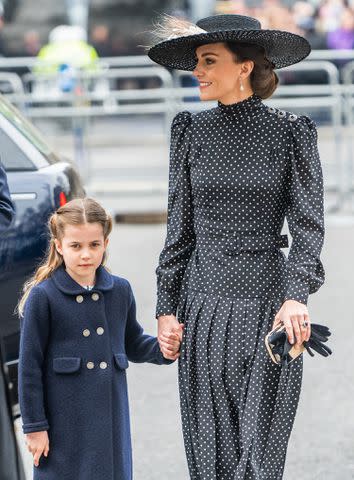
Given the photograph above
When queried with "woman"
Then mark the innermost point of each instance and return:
(236, 172)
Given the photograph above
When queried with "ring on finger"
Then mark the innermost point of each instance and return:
(305, 324)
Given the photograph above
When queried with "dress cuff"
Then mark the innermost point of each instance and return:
(166, 303)
(35, 427)
(298, 291)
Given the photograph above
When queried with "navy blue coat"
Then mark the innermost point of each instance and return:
(6, 206)
(74, 352)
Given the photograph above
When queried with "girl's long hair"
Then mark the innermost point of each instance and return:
(76, 212)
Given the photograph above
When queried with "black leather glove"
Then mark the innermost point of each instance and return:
(319, 335)
(284, 352)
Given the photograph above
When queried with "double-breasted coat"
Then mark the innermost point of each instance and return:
(236, 172)
(74, 352)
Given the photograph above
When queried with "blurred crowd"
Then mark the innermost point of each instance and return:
(107, 43)
(327, 24)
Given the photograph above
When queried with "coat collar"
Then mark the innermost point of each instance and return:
(66, 284)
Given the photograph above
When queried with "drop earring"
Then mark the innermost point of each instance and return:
(241, 85)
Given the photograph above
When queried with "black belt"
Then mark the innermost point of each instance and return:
(236, 242)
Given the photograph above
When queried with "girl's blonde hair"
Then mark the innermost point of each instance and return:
(76, 212)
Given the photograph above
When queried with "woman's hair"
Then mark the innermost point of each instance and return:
(76, 212)
(263, 79)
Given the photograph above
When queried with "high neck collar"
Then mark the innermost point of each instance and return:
(244, 107)
(67, 284)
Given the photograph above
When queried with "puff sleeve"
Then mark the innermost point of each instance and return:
(305, 272)
(180, 238)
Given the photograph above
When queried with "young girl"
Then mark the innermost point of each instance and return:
(78, 331)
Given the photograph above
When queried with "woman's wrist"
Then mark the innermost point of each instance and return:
(166, 316)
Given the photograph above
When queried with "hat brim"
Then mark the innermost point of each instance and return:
(281, 48)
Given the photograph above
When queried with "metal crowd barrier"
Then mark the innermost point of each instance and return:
(348, 80)
(169, 96)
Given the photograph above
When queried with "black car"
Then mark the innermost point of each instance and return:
(40, 181)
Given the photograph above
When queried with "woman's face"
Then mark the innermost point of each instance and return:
(219, 75)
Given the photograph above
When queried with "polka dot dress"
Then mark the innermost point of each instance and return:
(236, 172)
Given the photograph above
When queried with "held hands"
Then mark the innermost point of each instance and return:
(170, 336)
(295, 317)
(38, 444)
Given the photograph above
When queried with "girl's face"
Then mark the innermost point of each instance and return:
(82, 248)
(219, 75)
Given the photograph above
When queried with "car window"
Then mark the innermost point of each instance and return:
(11, 156)
(24, 126)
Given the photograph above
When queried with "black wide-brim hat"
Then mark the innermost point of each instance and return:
(178, 51)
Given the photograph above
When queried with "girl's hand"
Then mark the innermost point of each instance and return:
(170, 343)
(168, 324)
(37, 443)
(295, 317)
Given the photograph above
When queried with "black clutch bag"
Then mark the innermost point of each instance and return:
(282, 352)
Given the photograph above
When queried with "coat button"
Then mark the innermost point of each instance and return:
(86, 332)
(281, 113)
(271, 110)
(95, 297)
(292, 117)
(79, 299)
(103, 365)
(90, 365)
(100, 331)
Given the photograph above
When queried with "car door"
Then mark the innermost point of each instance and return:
(24, 243)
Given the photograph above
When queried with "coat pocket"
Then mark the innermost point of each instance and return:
(121, 361)
(66, 364)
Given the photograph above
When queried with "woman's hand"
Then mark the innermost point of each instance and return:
(295, 317)
(38, 444)
(169, 336)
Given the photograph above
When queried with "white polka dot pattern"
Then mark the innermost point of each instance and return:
(237, 171)
(243, 167)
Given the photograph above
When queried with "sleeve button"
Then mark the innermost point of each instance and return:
(86, 332)
(100, 331)
(90, 365)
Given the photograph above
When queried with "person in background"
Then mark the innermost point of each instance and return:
(343, 36)
(305, 19)
(10, 462)
(31, 43)
(329, 13)
(67, 46)
(101, 41)
(2, 22)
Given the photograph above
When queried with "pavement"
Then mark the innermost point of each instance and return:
(321, 445)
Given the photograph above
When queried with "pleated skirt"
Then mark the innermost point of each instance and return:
(237, 406)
